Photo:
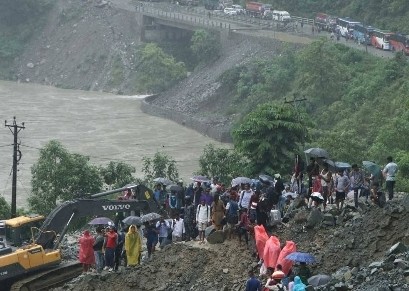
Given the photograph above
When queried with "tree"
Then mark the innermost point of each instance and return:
(59, 175)
(269, 136)
(161, 165)
(158, 71)
(5, 210)
(205, 45)
(226, 164)
(117, 174)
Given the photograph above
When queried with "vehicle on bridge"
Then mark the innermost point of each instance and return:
(257, 9)
(281, 16)
(399, 43)
(189, 2)
(23, 252)
(362, 34)
(239, 9)
(325, 22)
(380, 39)
(230, 11)
(345, 26)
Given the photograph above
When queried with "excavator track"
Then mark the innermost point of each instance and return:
(48, 279)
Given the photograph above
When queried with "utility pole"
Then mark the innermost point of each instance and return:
(15, 129)
(294, 102)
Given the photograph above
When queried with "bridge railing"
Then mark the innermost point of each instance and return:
(218, 19)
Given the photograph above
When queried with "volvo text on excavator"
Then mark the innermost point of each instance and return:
(18, 259)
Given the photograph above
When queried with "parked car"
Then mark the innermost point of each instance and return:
(239, 9)
(230, 11)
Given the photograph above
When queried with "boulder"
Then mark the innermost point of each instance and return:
(209, 230)
(216, 237)
(314, 218)
(328, 219)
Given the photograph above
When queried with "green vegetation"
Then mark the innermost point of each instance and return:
(385, 14)
(157, 71)
(60, 175)
(117, 72)
(269, 136)
(117, 175)
(223, 163)
(5, 209)
(357, 103)
(19, 19)
(161, 165)
(205, 46)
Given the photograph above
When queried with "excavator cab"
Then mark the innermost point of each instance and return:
(16, 231)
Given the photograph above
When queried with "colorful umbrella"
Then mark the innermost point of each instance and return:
(301, 257)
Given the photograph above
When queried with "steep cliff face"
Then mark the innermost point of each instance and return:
(87, 45)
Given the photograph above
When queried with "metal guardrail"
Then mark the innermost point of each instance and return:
(217, 18)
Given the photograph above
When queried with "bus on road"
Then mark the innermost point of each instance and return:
(399, 42)
(362, 34)
(380, 39)
(345, 26)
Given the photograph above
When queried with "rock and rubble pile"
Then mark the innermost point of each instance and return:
(365, 249)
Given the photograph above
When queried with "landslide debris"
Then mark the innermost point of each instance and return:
(364, 250)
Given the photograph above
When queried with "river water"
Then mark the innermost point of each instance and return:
(103, 126)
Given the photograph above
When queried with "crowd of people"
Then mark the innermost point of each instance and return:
(236, 210)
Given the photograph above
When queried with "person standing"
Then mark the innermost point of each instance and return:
(232, 215)
(178, 229)
(389, 173)
(163, 228)
(253, 284)
(133, 246)
(218, 211)
(202, 219)
(357, 179)
(326, 177)
(189, 219)
(341, 188)
(86, 253)
(151, 235)
(98, 246)
(118, 249)
(245, 196)
(312, 171)
(111, 241)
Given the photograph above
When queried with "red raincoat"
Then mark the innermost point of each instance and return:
(272, 250)
(261, 237)
(289, 248)
(86, 254)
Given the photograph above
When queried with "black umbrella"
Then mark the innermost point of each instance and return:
(266, 179)
(317, 153)
(163, 181)
(319, 280)
(175, 188)
(133, 220)
(150, 217)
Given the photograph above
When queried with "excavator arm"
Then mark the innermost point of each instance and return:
(59, 219)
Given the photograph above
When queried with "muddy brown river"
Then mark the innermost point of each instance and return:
(103, 126)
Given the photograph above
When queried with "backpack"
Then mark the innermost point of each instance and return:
(207, 209)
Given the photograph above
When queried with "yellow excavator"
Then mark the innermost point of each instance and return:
(19, 256)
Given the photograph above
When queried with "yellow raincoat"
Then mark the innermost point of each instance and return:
(133, 246)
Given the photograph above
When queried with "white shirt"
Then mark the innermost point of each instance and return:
(390, 171)
(203, 213)
(178, 227)
(245, 197)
